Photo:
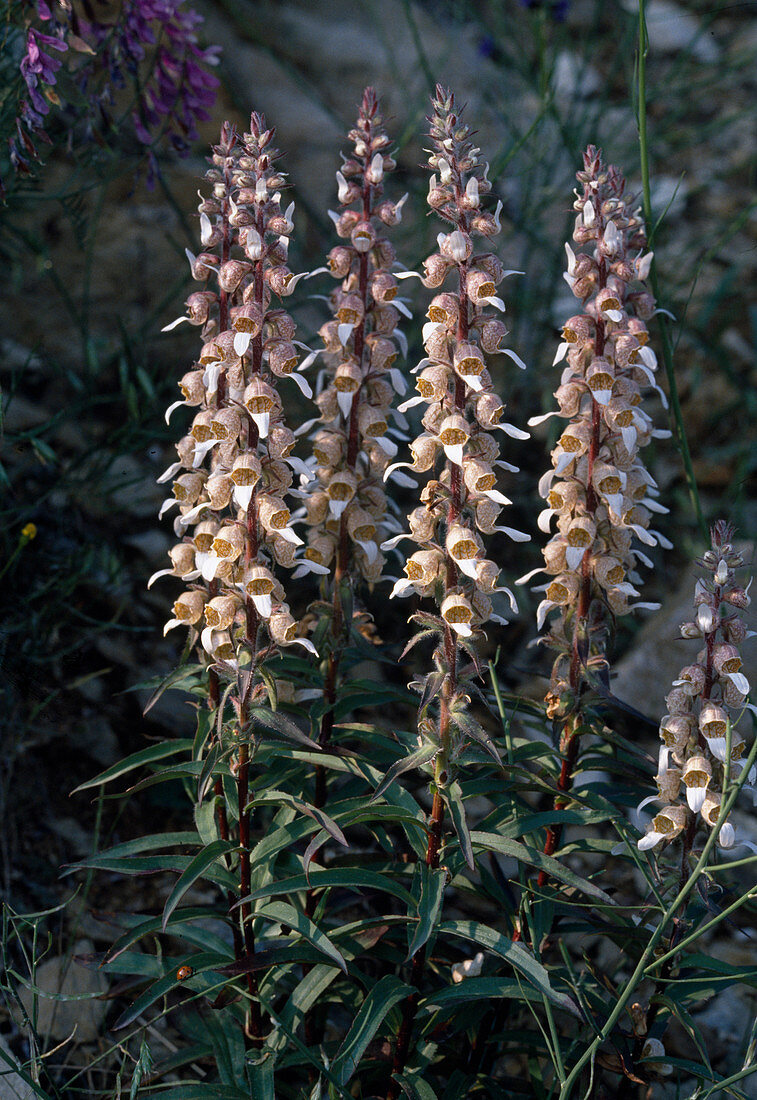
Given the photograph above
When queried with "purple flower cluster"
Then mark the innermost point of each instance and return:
(38, 71)
(178, 88)
(152, 42)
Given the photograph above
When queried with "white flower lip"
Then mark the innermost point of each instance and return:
(173, 324)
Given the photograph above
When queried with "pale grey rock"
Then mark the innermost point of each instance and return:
(669, 195)
(94, 735)
(17, 357)
(154, 544)
(12, 1085)
(84, 1014)
(573, 77)
(76, 839)
(129, 488)
(644, 676)
(672, 29)
(312, 59)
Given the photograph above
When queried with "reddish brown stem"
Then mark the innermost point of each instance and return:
(410, 1006)
(253, 1023)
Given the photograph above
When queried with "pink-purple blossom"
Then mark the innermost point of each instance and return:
(155, 40)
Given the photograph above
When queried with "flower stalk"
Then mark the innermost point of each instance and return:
(705, 704)
(235, 468)
(462, 504)
(598, 491)
(352, 445)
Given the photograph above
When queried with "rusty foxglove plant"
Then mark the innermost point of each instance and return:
(345, 502)
(598, 491)
(235, 466)
(459, 503)
(709, 695)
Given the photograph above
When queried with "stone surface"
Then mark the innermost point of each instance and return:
(62, 975)
(659, 652)
(672, 29)
(669, 195)
(12, 1085)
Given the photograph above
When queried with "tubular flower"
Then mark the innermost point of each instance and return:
(598, 490)
(708, 697)
(234, 468)
(352, 444)
(462, 412)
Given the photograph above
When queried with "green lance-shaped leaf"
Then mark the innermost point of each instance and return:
(208, 767)
(204, 859)
(277, 722)
(262, 1077)
(200, 1092)
(429, 906)
(387, 992)
(150, 755)
(407, 763)
(178, 676)
(200, 934)
(478, 989)
(453, 796)
(282, 913)
(345, 877)
(473, 729)
(206, 821)
(536, 858)
(307, 993)
(515, 953)
(415, 1087)
(159, 988)
(283, 798)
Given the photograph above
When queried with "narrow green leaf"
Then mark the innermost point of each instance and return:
(346, 878)
(262, 1078)
(317, 842)
(478, 989)
(206, 822)
(431, 687)
(153, 993)
(149, 755)
(429, 906)
(414, 1086)
(204, 859)
(282, 913)
(200, 1092)
(283, 798)
(515, 850)
(206, 775)
(387, 992)
(279, 723)
(205, 720)
(515, 953)
(303, 997)
(473, 729)
(405, 764)
(228, 1048)
(151, 865)
(141, 844)
(454, 799)
(210, 941)
(178, 676)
